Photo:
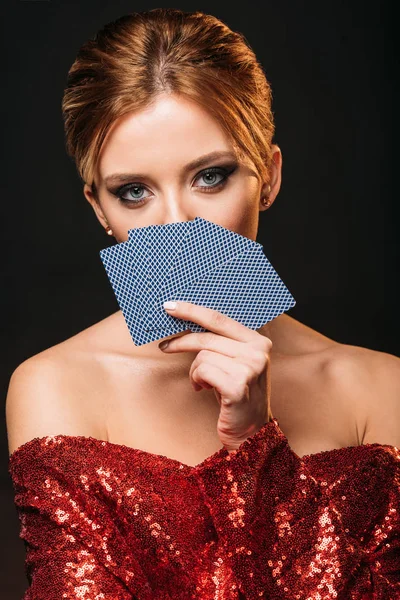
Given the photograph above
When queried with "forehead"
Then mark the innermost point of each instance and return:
(171, 131)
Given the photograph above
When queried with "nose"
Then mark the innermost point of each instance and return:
(176, 210)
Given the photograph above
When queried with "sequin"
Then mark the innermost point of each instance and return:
(105, 521)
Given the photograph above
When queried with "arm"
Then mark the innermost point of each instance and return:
(379, 405)
(290, 526)
(65, 556)
(39, 400)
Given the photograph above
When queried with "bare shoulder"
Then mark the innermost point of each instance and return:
(332, 395)
(35, 400)
(369, 381)
(49, 393)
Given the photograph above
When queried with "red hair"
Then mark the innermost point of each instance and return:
(138, 56)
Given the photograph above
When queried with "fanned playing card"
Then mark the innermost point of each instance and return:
(161, 244)
(190, 252)
(196, 261)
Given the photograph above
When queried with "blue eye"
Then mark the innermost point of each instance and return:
(132, 188)
(213, 171)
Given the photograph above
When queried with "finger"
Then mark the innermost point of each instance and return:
(247, 352)
(195, 342)
(232, 367)
(213, 376)
(212, 320)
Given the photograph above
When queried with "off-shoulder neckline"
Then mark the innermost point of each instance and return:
(273, 423)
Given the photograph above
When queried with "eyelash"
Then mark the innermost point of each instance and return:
(226, 172)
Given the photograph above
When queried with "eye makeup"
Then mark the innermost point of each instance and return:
(225, 171)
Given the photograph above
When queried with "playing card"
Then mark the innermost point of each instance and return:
(116, 261)
(178, 256)
(153, 252)
(246, 288)
(196, 261)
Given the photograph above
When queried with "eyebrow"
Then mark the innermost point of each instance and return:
(194, 164)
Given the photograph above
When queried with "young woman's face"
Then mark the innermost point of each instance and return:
(145, 174)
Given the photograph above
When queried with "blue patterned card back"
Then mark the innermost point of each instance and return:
(162, 244)
(175, 259)
(196, 261)
(246, 288)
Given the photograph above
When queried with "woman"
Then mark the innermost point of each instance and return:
(233, 463)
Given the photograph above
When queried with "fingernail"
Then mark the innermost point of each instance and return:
(169, 305)
(163, 345)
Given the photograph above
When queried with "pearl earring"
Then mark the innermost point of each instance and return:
(109, 231)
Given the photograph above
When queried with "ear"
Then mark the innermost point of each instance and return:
(88, 193)
(275, 177)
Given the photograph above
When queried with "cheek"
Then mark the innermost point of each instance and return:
(243, 216)
(120, 234)
(123, 220)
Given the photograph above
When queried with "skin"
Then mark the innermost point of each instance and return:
(234, 361)
(144, 140)
(212, 388)
(172, 195)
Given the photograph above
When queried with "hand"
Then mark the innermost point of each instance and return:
(235, 362)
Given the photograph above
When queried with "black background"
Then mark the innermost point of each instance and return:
(331, 233)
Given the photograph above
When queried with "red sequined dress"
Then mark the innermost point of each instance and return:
(103, 521)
